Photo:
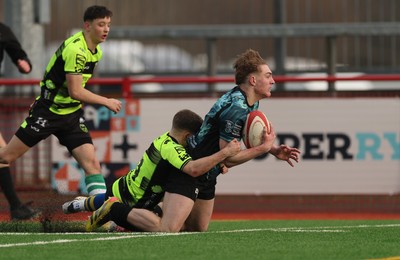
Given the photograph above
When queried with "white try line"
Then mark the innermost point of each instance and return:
(118, 236)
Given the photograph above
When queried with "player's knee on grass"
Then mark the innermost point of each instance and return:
(194, 224)
(196, 227)
(171, 227)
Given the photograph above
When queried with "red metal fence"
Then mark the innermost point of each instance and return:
(127, 82)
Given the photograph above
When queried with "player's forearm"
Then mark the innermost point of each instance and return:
(77, 92)
(244, 156)
(200, 166)
(89, 97)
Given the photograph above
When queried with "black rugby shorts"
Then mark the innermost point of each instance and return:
(70, 129)
(181, 183)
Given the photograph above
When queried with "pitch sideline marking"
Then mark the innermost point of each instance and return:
(59, 241)
(149, 234)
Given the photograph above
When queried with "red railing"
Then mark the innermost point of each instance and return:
(126, 82)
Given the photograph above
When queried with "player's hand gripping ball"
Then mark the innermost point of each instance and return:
(253, 128)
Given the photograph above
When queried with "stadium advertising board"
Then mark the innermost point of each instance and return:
(348, 146)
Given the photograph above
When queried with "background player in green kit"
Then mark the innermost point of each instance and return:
(165, 167)
(58, 109)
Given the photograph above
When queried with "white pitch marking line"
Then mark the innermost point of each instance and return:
(150, 234)
(91, 239)
(299, 230)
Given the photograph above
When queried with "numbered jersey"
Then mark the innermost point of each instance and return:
(72, 57)
(164, 156)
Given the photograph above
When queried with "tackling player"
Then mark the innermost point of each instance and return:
(165, 167)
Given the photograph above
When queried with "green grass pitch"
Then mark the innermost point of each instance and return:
(266, 239)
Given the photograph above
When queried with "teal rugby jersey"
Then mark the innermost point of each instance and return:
(225, 120)
(164, 155)
(73, 56)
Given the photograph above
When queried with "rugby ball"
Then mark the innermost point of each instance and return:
(252, 134)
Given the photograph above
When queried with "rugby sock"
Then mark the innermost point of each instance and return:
(119, 214)
(7, 186)
(95, 184)
(92, 203)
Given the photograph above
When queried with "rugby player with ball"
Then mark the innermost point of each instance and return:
(226, 121)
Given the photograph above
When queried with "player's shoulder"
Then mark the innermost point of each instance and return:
(75, 39)
(75, 44)
(168, 147)
(162, 140)
(235, 96)
(227, 98)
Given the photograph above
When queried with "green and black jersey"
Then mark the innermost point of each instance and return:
(73, 56)
(165, 155)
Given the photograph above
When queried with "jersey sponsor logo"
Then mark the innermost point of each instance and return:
(83, 128)
(228, 126)
(50, 85)
(82, 125)
(89, 67)
(233, 128)
(41, 121)
(184, 157)
(182, 154)
(35, 128)
(80, 61)
(156, 189)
